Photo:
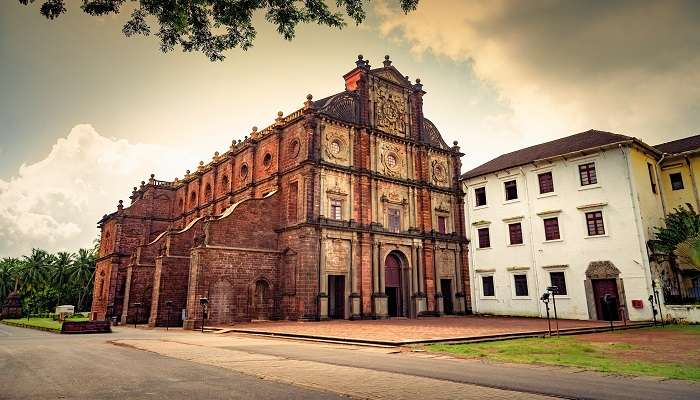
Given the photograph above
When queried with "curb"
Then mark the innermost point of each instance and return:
(452, 340)
(38, 328)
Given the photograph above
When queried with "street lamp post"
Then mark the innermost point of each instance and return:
(545, 300)
(204, 302)
(553, 291)
(168, 305)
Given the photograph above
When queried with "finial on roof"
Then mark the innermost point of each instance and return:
(187, 172)
(255, 129)
(279, 120)
(309, 103)
(201, 163)
(455, 143)
(418, 85)
(360, 62)
(143, 183)
(387, 61)
(120, 206)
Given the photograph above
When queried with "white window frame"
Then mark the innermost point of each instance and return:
(596, 165)
(481, 276)
(566, 279)
(507, 223)
(486, 191)
(476, 236)
(512, 274)
(537, 182)
(606, 224)
(517, 189)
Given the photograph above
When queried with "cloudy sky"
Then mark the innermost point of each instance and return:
(85, 113)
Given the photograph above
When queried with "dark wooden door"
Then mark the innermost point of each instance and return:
(336, 296)
(446, 289)
(392, 284)
(601, 288)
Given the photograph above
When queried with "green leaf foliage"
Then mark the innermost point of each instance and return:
(214, 26)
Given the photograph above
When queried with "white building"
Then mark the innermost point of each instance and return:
(575, 213)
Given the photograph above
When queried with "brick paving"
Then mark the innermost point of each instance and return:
(357, 383)
(398, 330)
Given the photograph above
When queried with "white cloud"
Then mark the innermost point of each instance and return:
(55, 203)
(631, 67)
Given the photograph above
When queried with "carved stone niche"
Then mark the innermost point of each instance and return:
(336, 145)
(443, 206)
(390, 110)
(602, 270)
(392, 159)
(394, 198)
(439, 169)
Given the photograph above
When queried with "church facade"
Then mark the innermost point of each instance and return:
(349, 207)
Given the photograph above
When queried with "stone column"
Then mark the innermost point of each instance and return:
(439, 305)
(323, 283)
(355, 299)
(382, 271)
(421, 305)
(460, 295)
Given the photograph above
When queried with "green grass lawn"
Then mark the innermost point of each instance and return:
(575, 351)
(47, 323)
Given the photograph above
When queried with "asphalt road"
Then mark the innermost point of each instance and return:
(35, 364)
(40, 365)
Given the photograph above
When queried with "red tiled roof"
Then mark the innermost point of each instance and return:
(578, 142)
(680, 145)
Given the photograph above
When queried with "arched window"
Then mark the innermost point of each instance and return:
(224, 183)
(207, 192)
(267, 160)
(244, 171)
(193, 199)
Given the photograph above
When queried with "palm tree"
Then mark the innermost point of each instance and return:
(82, 273)
(679, 240)
(34, 270)
(60, 272)
(9, 276)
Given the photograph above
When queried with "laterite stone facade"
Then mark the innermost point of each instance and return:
(349, 207)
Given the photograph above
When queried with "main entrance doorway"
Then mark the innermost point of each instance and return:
(446, 290)
(336, 296)
(393, 286)
(606, 289)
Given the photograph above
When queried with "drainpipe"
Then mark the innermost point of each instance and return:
(659, 184)
(470, 251)
(638, 217)
(532, 243)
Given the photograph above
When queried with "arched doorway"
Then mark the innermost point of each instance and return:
(393, 285)
(262, 300)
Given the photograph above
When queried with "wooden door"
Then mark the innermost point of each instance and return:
(601, 288)
(446, 289)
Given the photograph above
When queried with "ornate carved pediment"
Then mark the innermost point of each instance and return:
(602, 270)
(393, 197)
(390, 110)
(391, 75)
(337, 190)
(443, 206)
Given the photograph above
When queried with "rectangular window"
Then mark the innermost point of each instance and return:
(594, 220)
(676, 181)
(520, 281)
(587, 174)
(480, 196)
(515, 231)
(650, 168)
(484, 239)
(336, 209)
(442, 224)
(546, 182)
(551, 229)
(559, 281)
(511, 188)
(487, 288)
(292, 201)
(394, 220)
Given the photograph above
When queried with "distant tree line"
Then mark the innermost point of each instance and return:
(44, 280)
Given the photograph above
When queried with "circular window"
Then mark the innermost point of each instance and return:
(391, 161)
(335, 147)
(267, 160)
(244, 171)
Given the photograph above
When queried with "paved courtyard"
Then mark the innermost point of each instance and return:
(415, 330)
